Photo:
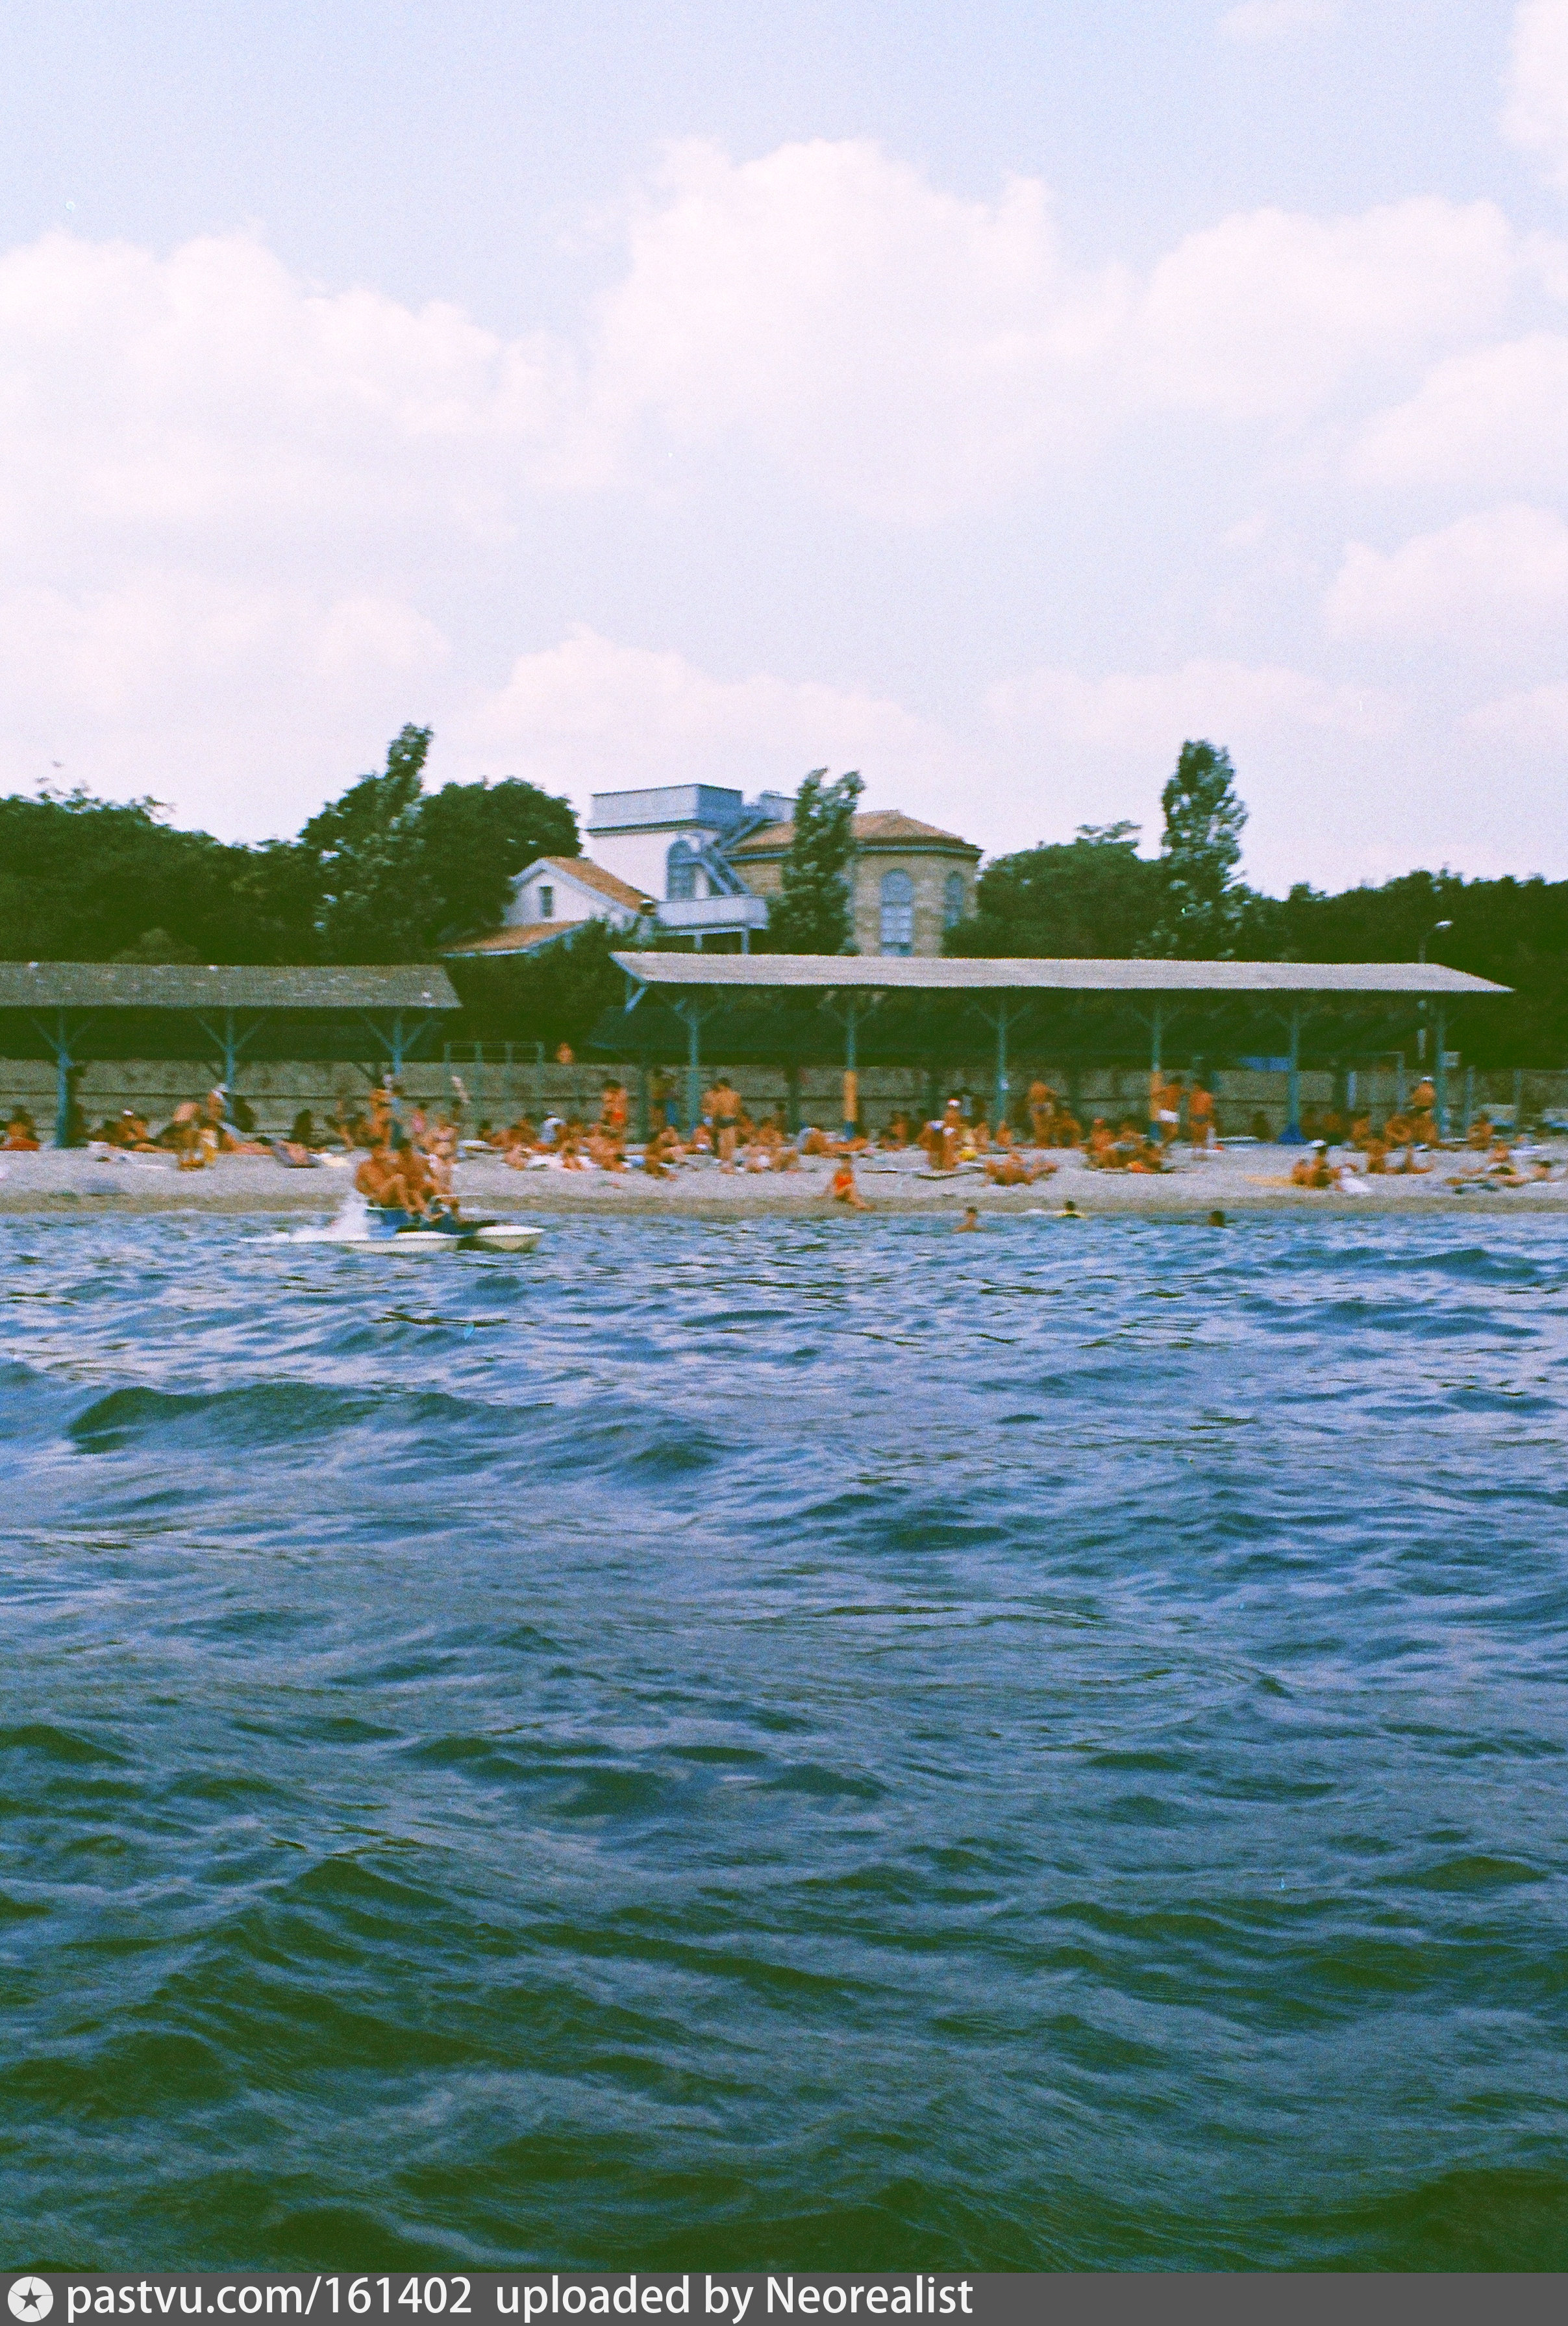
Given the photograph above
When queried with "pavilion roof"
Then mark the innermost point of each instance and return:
(785, 972)
(159, 985)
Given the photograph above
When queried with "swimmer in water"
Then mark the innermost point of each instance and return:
(1069, 1211)
(1218, 1220)
(969, 1224)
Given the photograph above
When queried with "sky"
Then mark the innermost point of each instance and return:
(987, 398)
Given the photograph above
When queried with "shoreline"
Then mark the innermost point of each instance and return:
(78, 1184)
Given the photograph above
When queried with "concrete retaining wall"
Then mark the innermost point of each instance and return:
(1246, 1098)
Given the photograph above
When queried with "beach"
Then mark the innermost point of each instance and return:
(1239, 1178)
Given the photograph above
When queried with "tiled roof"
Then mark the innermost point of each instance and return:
(594, 875)
(880, 828)
(527, 939)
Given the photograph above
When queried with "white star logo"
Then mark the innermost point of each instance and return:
(30, 2297)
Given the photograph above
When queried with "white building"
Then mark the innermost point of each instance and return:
(672, 843)
(554, 896)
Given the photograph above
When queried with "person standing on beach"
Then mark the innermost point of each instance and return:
(1200, 1113)
(726, 1112)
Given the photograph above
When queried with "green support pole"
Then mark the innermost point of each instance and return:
(793, 1097)
(1000, 1096)
(1441, 1075)
(645, 1116)
(1519, 1100)
(62, 1064)
(1291, 1135)
(693, 1065)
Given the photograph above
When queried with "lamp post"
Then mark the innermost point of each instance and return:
(1442, 1093)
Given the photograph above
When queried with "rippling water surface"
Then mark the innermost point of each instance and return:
(842, 1745)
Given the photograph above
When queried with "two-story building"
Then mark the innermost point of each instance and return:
(701, 860)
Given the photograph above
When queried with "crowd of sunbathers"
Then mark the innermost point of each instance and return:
(427, 1143)
(197, 1133)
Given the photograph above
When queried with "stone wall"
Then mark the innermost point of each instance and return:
(928, 871)
(929, 874)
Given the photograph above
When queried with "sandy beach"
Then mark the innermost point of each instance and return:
(1238, 1179)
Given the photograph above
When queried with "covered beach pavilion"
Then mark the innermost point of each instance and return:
(789, 1010)
(78, 1013)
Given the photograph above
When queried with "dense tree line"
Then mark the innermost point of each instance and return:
(387, 872)
(390, 871)
(1095, 897)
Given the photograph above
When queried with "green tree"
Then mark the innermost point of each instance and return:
(813, 912)
(374, 901)
(398, 872)
(558, 994)
(1199, 854)
(84, 878)
(473, 839)
(1092, 897)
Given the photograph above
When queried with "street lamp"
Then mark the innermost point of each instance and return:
(1421, 1041)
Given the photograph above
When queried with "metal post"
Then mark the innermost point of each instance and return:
(1519, 1100)
(851, 1075)
(1441, 1077)
(62, 1082)
(744, 938)
(1469, 1098)
(1400, 1090)
(644, 1121)
(1158, 1029)
(1291, 1135)
(793, 1097)
(693, 1017)
(999, 1112)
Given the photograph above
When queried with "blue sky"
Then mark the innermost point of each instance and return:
(987, 398)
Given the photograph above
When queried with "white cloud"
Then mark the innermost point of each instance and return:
(1111, 741)
(1154, 712)
(1535, 720)
(1535, 116)
(212, 393)
(1266, 20)
(902, 349)
(1495, 418)
(240, 705)
(1498, 578)
(590, 714)
(913, 354)
(1269, 314)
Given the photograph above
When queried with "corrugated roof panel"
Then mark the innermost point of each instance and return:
(127, 985)
(822, 972)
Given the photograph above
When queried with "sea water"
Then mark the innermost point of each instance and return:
(832, 1745)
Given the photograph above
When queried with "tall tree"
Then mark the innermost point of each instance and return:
(473, 839)
(1090, 897)
(376, 901)
(1199, 854)
(813, 912)
(399, 872)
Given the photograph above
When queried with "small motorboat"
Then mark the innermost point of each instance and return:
(477, 1235)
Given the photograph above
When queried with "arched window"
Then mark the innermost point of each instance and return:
(897, 913)
(952, 900)
(681, 872)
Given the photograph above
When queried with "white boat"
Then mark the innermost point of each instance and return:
(493, 1235)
